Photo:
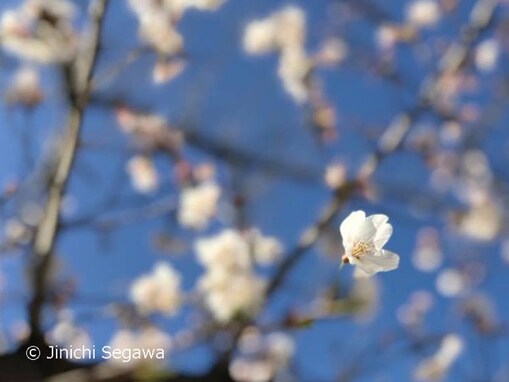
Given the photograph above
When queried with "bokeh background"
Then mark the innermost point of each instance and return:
(397, 107)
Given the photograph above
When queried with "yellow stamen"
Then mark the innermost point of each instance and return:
(360, 249)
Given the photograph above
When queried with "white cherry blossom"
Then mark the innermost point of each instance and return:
(229, 286)
(227, 295)
(143, 174)
(25, 88)
(283, 31)
(226, 251)
(266, 250)
(197, 205)
(486, 55)
(451, 282)
(158, 291)
(364, 239)
(39, 31)
(260, 36)
(423, 13)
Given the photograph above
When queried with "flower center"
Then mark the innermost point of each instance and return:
(360, 249)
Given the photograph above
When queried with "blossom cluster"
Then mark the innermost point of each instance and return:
(230, 285)
(198, 204)
(158, 291)
(40, 31)
(420, 14)
(157, 26)
(149, 133)
(284, 32)
(262, 358)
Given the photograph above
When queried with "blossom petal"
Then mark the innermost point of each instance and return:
(365, 232)
(382, 262)
(378, 219)
(351, 221)
(383, 230)
(357, 228)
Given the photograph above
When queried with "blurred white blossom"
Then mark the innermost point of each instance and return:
(158, 291)
(227, 295)
(67, 334)
(280, 348)
(266, 249)
(198, 204)
(260, 36)
(143, 174)
(285, 32)
(294, 67)
(291, 22)
(156, 30)
(225, 251)
(412, 313)
(158, 27)
(262, 358)
(246, 370)
(389, 35)
(332, 52)
(475, 178)
(17, 232)
(435, 367)
(39, 31)
(486, 55)
(229, 286)
(423, 13)
(450, 282)
(25, 88)
(427, 255)
(482, 221)
(167, 69)
(335, 175)
(483, 218)
(149, 132)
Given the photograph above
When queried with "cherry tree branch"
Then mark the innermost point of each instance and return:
(46, 233)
